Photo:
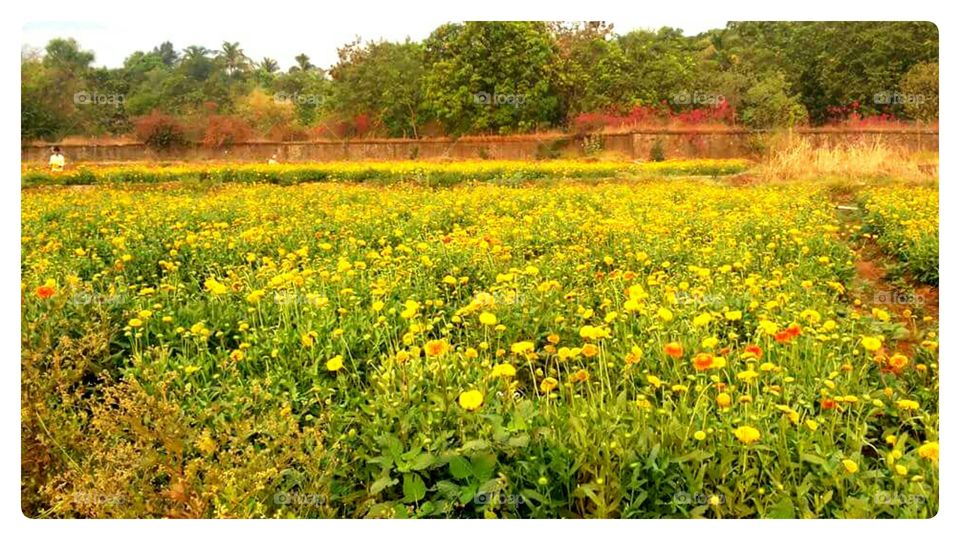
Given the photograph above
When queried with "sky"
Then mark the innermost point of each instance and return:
(111, 42)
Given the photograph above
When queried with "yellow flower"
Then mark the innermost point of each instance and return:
(503, 370)
(654, 381)
(436, 347)
(471, 400)
(907, 404)
(812, 425)
(734, 315)
(214, 286)
(548, 384)
(521, 347)
(702, 319)
(747, 434)
(488, 319)
(850, 466)
(724, 400)
(931, 451)
(871, 343)
(699, 435)
(665, 314)
(135, 323)
(335, 363)
(901, 470)
(590, 350)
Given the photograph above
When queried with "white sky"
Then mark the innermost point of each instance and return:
(317, 37)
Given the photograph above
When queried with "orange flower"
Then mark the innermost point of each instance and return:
(755, 350)
(827, 404)
(436, 347)
(590, 350)
(703, 361)
(674, 350)
(580, 376)
(46, 291)
(897, 362)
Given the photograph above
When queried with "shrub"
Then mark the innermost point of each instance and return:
(767, 105)
(159, 131)
(656, 151)
(920, 92)
(223, 130)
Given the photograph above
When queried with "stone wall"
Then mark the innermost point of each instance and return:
(636, 145)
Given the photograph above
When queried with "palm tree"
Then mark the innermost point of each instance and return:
(195, 52)
(303, 63)
(233, 58)
(269, 65)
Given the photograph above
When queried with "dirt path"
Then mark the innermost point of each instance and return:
(916, 306)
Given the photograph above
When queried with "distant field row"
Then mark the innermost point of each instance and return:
(428, 173)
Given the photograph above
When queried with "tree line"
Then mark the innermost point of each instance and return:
(494, 78)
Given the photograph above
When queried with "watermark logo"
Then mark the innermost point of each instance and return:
(297, 98)
(487, 99)
(887, 498)
(682, 498)
(84, 97)
(294, 498)
(897, 298)
(501, 499)
(96, 498)
(711, 99)
(898, 98)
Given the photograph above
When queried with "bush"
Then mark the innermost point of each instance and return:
(159, 131)
(656, 151)
(920, 92)
(767, 105)
(223, 130)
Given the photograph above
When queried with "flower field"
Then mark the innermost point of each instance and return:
(427, 173)
(907, 224)
(611, 348)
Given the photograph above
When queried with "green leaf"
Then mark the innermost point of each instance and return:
(413, 488)
(782, 510)
(423, 461)
(382, 484)
(460, 468)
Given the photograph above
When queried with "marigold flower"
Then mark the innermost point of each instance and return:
(503, 370)
(703, 361)
(335, 363)
(674, 350)
(436, 347)
(850, 466)
(747, 434)
(522, 347)
(871, 344)
(488, 319)
(46, 291)
(930, 451)
(470, 400)
(548, 385)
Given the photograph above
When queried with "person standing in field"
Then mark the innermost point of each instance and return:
(57, 161)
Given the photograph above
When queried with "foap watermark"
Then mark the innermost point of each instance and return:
(297, 98)
(84, 97)
(484, 498)
(295, 498)
(96, 498)
(887, 498)
(898, 98)
(83, 298)
(682, 498)
(488, 99)
(710, 99)
(897, 298)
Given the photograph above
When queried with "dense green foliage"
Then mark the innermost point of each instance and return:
(499, 77)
